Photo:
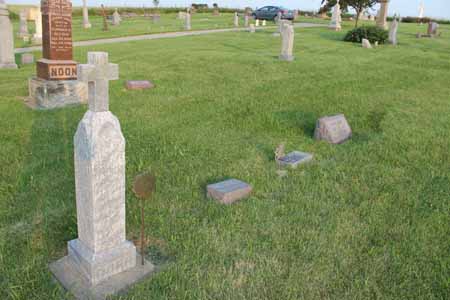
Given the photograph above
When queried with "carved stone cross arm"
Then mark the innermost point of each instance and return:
(97, 73)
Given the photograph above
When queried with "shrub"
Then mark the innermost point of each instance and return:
(372, 33)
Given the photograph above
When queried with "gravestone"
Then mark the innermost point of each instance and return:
(27, 58)
(264, 23)
(278, 18)
(251, 28)
(366, 44)
(187, 22)
(116, 18)
(56, 84)
(393, 32)
(236, 19)
(37, 36)
(100, 262)
(181, 15)
(280, 26)
(336, 18)
(139, 85)
(287, 42)
(216, 12)
(246, 20)
(382, 14)
(257, 23)
(7, 59)
(229, 191)
(333, 129)
(432, 29)
(23, 24)
(294, 159)
(86, 24)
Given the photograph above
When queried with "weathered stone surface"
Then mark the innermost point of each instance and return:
(336, 18)
(236, 20)
(393, 32)
(139, 85)
(81, 289)
(23, 24)
(333, 129)
(86, 23)
(251, 28)
(187, 21)
(294, 159)
(229, 191)
(27, 58)
(49, 94)
(7, 59)
(382, 14)
(116, 19)
(287, 42)
(37, 36)
(366, 44)
(101, 249)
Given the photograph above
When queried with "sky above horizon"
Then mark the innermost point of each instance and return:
(433, 8)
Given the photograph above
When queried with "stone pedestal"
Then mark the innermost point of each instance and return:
(49, 94)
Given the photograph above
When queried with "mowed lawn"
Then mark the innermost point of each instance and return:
(138, 26)
(368, 219)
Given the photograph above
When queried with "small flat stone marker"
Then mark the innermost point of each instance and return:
(27, 58)
(229, 191)
(139, 85)
(294, 159)
(333, 129)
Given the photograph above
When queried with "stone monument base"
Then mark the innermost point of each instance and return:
(8, 66)
(49, 94)
(286, 57)
(74, 282)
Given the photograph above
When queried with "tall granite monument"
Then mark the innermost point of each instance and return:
(287, 42)
(7, 60)
(86, 24)
(56, 84)
(100, 261)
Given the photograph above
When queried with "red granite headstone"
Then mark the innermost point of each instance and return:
(57, 63)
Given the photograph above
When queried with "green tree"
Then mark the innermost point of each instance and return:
(358, 5)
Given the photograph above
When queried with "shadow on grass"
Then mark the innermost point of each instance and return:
(305, 121)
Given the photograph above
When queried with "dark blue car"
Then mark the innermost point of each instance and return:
(271, 13)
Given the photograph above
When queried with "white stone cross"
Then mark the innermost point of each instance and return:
(97, 73)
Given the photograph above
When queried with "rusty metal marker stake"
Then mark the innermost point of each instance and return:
(143, 187)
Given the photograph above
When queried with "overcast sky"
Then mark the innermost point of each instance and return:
(433, 8)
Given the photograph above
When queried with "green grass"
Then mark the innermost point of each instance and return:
(138, 26)
(369, 219)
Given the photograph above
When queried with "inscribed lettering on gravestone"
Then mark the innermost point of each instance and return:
(57, 63)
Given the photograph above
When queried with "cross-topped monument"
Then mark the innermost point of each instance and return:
(99, 258)
(97, 73)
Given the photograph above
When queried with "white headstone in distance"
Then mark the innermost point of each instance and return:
(246, 20)
(86, 23)
(393, 32)
(366, 44)
(7, 59)
(116, 19)
(336, 18)
(236, 19)
(251, 28)
(257, 23)
(187, 22)
(287, 42)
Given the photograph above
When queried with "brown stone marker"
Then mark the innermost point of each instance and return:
(139, 85)
(57, 63)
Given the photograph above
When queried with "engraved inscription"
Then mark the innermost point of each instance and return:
(62, 72)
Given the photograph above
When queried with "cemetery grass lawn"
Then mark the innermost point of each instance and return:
(368, 219)
(137, 26)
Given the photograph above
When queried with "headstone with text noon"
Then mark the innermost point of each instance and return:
(56, 84)
(7, 59)
(101, 261)
(333, 129)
